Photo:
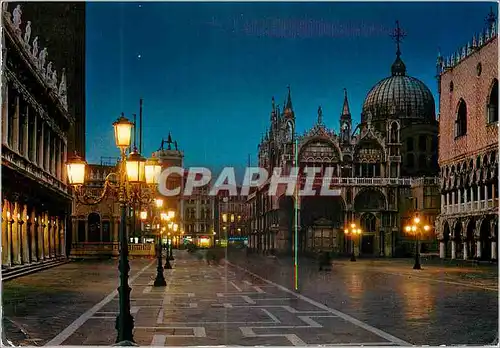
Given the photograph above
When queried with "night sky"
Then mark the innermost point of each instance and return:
(207, 71)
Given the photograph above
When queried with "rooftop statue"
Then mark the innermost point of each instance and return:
(17, 16)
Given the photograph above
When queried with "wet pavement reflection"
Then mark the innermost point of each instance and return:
(433, 306)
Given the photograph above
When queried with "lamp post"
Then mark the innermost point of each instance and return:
(127, 181)
(352, 231)
(170, 216)
(160, 279)
(415, 228)
(173, 227)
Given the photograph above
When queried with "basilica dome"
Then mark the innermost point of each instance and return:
(399, 96)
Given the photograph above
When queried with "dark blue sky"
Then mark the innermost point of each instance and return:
(207, 71)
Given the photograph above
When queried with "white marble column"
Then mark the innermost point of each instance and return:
(478, 249)
(442, 254)
(493, 250)
(466, 250)
(453, 250)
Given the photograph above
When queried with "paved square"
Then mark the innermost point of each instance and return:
(220, 305)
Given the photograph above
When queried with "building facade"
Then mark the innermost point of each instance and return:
(35, 126)
(231, 217)
(199, 217)
(468, 148)
(376, 168)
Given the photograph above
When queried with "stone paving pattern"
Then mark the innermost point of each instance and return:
(224, 305)
(440, 304)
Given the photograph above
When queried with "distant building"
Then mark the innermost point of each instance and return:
(36, 122)
(468, 148)
(199, 217)
(231, 217)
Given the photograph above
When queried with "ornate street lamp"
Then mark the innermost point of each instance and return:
(415, 228)
(352, 231)
(129, 172)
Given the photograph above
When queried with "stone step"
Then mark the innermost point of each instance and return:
(22, 270)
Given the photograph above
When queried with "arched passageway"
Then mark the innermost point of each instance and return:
(94, 233)
(322, 220)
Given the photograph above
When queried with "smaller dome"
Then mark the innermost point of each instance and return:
(398, 68)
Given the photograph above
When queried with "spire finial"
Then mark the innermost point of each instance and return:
(398, 35)
(289, 99)
(320, 115)
(345, 107)
(491, 18)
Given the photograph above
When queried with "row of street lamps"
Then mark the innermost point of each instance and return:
(136, 180)
(414, 228)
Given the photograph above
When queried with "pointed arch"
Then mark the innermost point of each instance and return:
(492, 104)
(461, 119)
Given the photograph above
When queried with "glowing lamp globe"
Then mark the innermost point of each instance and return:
(153, 171)
(123, 132)
(135, 168)
(171, 214)
(76, 170)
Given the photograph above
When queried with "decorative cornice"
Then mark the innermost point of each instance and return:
(48, 75)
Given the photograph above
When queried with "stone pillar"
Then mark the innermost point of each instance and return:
(33, 235)
(86, 231)
(442, 253)
(15, 127)
(453, 250)
(62, 237)
(57, 250)
(47, 158)
(479, 193)
(466, 250)
(485, 193)
(26, 134)
(34, 140)
(493, 250)
(5, 113)
(443, 202)
(41, 145)
(16, 242)
(74, 230)
(6, 233)
(53, 155)
(24, 235)
(116, 230)
(478, 249)
(40, 231)
(46, 235)
(64, 154)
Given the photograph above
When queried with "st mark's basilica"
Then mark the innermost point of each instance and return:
(379, 166)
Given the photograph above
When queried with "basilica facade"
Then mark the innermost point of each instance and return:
(377, 166)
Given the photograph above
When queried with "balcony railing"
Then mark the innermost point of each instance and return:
(470, 207)
(109, 249)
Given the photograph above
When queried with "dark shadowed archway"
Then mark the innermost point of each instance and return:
(323, 217)
(485, 238)
(94, 221)
(469, 240)
(447, 239)
(370, 200)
